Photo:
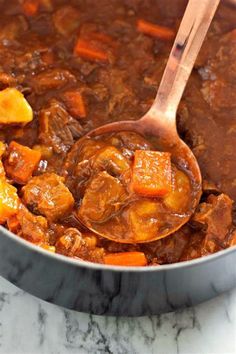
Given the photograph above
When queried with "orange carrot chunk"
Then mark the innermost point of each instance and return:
(90, 51)
(30, 7)
(154, 30)
(21, 162)
(151, 175)
(75, 103)
(136, 259)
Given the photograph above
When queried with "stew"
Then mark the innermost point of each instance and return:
(126, 194)
(67, 67)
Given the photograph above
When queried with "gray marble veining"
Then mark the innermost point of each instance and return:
(31, 326)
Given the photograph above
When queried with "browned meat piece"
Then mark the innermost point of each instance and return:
(209, 187)
(215, 216)
(98, 91)
(29, 226)
(47, 195)
(111, 160)
(87, 158)
(218, 87)
(116, 247)
(168, 249)
(13, 28)
(74, 244)
(77, 165)
(82, 150)
(78, 181)
(195, 247)
(33, 59)
(129, 142)
(57, 128)
(122, 98)
(51, 80)
(219, 94)
(66, 20)
(7, 80)
(69, 242)
(103, 197)
(207, 127)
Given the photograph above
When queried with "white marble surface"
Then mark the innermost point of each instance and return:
(31, 326)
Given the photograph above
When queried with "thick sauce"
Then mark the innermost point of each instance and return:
(80, 65)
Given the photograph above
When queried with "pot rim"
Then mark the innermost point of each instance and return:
(97, 266)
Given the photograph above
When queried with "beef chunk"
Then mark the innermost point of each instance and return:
(57, 128)
(29, 226)
(103, 197)
(168, 249)
(219, 84)
(122, 97)
(111, 160)
(89, 157)
(129, 142)
(219, 94)
(77, 165)
(195, 246)
(215, 217)
(51, 80)
(66, 20)
(74, 244)
(12, 28)
(204, 119)
(47, 195)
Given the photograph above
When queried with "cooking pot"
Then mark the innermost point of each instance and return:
(109, 290)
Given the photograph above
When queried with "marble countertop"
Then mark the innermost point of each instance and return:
(31, 326)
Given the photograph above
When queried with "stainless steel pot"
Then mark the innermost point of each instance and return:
(108, 290)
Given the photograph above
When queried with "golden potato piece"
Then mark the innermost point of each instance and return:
(14, 108)
(9, 201)
(178, 199)
(145, 219)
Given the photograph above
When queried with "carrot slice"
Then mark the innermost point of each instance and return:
(30, 7)
(21, 162)
(136, 259)
(154, 30)
(151, 173)
(88, 50)
(75, 103)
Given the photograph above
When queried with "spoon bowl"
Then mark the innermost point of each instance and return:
(159, 123)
